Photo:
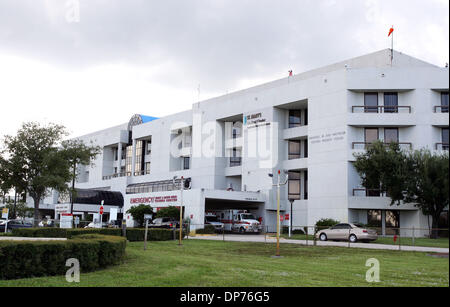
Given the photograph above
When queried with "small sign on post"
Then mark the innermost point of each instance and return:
(5, 214)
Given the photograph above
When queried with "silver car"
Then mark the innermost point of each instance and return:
(346, 232)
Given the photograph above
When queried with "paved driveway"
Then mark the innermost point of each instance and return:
(267, 239)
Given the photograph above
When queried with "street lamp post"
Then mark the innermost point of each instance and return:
(181, 208)
(279, 183)
(290, 218)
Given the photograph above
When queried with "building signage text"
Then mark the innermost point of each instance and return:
(157, 199)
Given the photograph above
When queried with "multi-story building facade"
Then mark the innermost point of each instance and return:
(309, 126)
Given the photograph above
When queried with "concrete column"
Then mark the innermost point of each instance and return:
(133, 159)
(119, 157)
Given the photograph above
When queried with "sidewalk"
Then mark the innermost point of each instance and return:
(263, 239)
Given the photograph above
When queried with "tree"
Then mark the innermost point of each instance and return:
(429, 189)
(76, 152)
(138, 212)
(417, 177)
(170, 211)
(42, 167)
(21, 209)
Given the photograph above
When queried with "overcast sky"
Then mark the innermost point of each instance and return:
(95, 67)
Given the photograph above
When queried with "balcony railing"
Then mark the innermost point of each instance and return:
(381, 109)
(441, 109)
(442, 146)
(235, 161)
(365, 145)
(142, 173)
(117, 175)
(362, 192)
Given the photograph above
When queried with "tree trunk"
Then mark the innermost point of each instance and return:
(435, 226)
(36, 212)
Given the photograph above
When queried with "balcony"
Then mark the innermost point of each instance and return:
(363, 192)
(441, 109)
(300, 132)
(365, 145)
(235, 161)
(381, 116)
(117, 175)
(142, 173)
(442, 146)
(381, 109)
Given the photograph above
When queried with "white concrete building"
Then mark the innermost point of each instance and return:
(308, 125)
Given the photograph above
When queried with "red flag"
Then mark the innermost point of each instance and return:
(391, 30)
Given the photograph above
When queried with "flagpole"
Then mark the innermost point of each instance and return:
(392, 46)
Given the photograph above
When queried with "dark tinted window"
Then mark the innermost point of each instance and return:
(391, 135)
(371, 135)
(390, 102)
(294, 185)
(294, 118)
(445, 135)
(444, 102)
(294, 150)
(371, 102)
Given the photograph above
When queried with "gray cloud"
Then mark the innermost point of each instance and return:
(218, 42)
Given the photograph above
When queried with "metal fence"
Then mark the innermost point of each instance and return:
(311, 235)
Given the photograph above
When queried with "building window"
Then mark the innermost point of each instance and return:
(390, 103)
(370, 135)
(371, 102)
(186, 162)
(128, 160)
(305, 184)
(116, 153)
(392, 222)
(294, 150)
(148, 147)
(445, 145)
(391, 135)
(444, 102)
(294, 118)
(235, 159)
(294, 185)
(306, 116)
(374, 218)
(138, 166)
(236, 133)
(147, 168)
(305, 147)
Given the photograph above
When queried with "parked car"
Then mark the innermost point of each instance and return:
(12, 224)
(346, 232)
(164, 222)
(47, 223)
(93, 225)
(214, 220)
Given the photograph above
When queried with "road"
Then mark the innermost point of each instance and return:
(268, 239)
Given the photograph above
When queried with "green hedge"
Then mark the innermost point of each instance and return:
(22, 259)
(209, 229)
(133, 234)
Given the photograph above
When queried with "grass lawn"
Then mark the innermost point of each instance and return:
(217, 263)
(441, 242)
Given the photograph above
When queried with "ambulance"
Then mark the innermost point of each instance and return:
(240, 221)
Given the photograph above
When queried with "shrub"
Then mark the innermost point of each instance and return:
(209, 229)
(21, 259)
(133, 234)
(170, 211)
(285, 230)
(324, 223)
(138, 212)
